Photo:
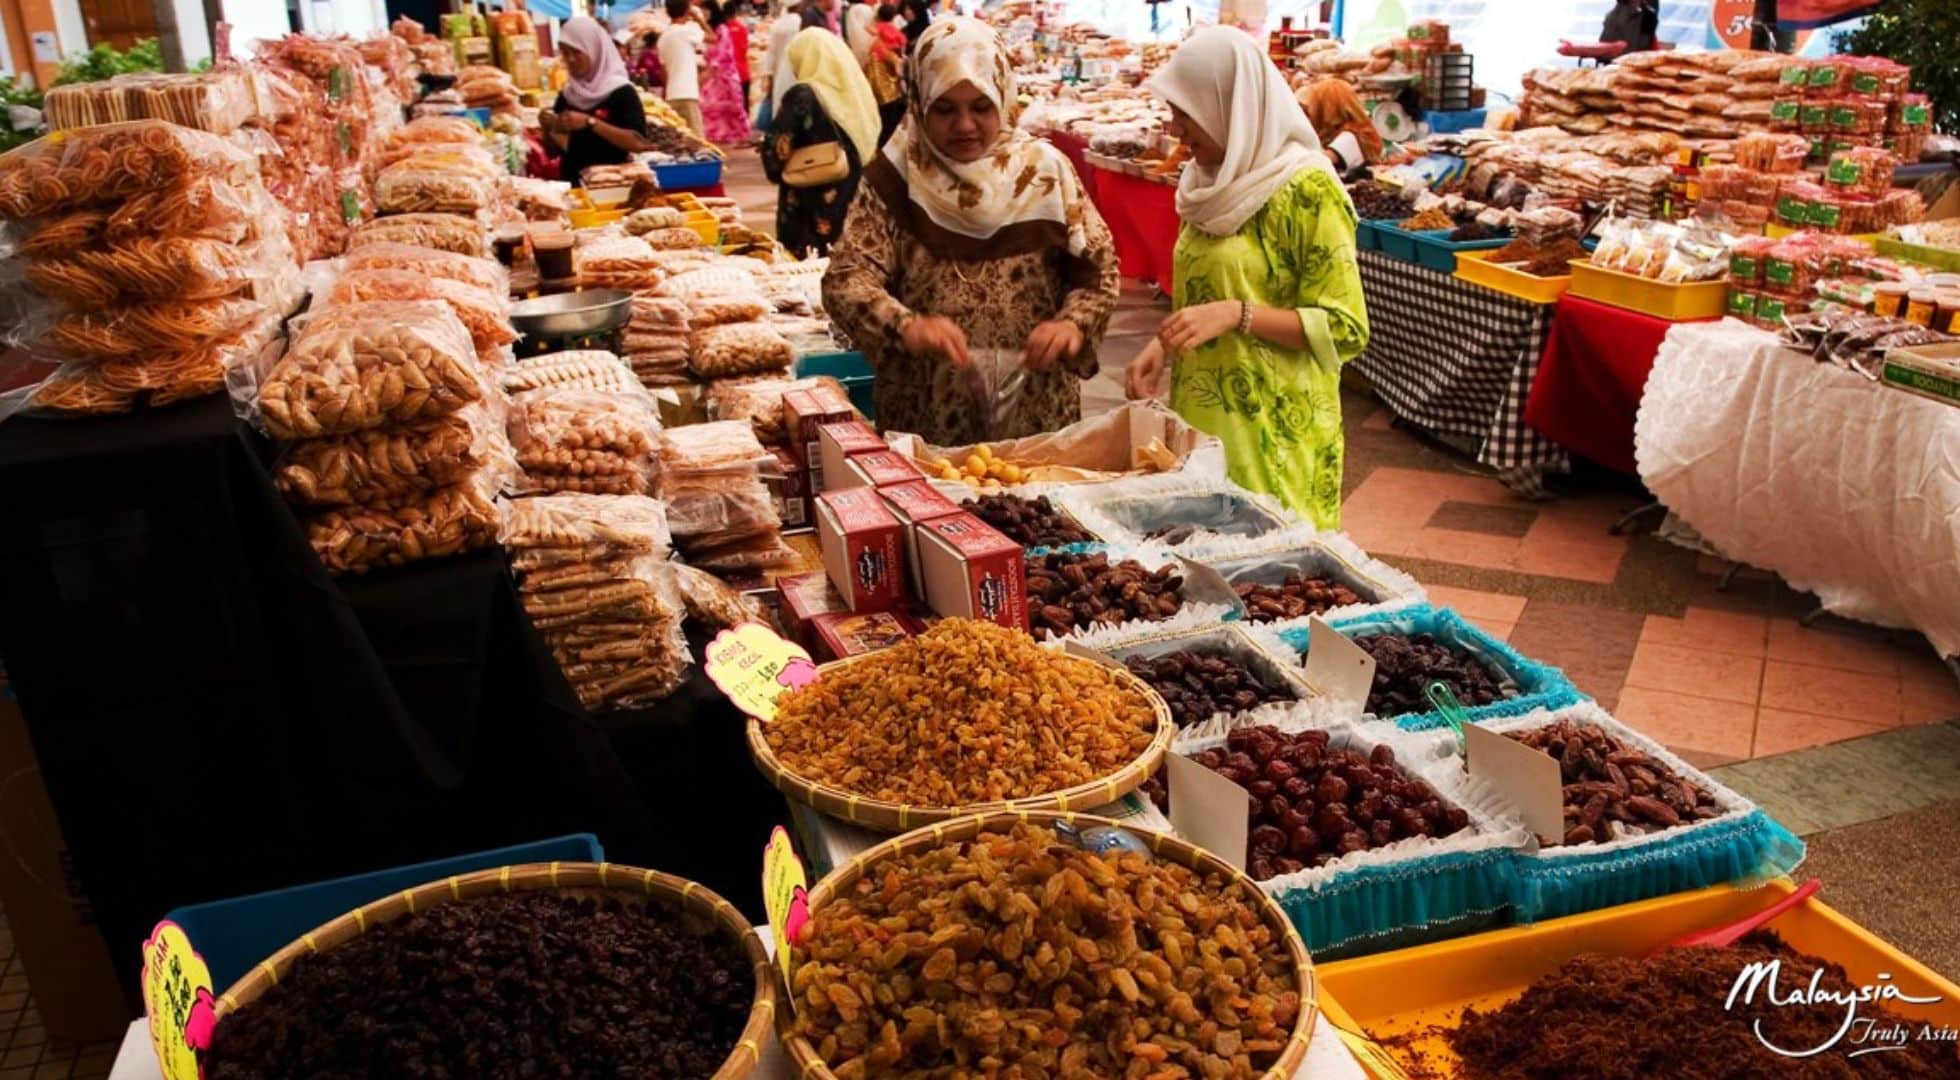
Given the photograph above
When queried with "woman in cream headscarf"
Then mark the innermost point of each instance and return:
(1266, 289)
(971, 235)
(828, 102)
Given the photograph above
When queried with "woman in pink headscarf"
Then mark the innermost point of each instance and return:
(597, 119)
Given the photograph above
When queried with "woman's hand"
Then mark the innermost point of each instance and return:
(1200, 325)
(1050, 343)
(1144, 378)
(925, 335)
(573, 120)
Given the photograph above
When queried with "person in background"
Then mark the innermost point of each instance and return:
(886, 69)
(827, 101)
(724, 112)
(1266, 291)
(857, 30)
(738, 26)
(680, 57)
(775, 62)
(1338, 118)
(645, 68)
(597, 118)
(1631, 21)
(917, 15)
(970, 234)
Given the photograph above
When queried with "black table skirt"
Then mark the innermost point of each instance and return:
(214, 714)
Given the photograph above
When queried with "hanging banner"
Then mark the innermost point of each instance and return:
(1729, 23)
(1805, 14)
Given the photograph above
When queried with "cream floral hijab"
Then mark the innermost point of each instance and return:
(1023, 195)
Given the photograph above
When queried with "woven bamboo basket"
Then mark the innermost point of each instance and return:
(627, 884)
(809, 1066)
(890, 817)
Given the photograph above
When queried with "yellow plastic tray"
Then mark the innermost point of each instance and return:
(706, 226)
(592, 219)
(1412, 990)
(1663, 300)
(1776, 230)
(1476, 268)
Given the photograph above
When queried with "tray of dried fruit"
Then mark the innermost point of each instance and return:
(1102, 595)
(1285, 585)
(1639, 821)
(965, 718)
(1416, 646)
(353, 997)
(1588, 995)
(1031, 520)
(1008, 915)
(1369, 837)
(1192, 516)
(1215, 678)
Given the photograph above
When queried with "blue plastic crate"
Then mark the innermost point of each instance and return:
(1449, 121)
(1365, 238)
(848, 368)
(1437, 252)
(693, 174)
(1396, 243)
(232, 935)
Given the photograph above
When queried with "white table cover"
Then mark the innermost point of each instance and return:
(1844, 487)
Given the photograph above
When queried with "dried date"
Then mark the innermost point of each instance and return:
(1029, 522)
(1613, 790)
(1070, 592)
(1201, 685)
(1405, 665)
(1295, 597)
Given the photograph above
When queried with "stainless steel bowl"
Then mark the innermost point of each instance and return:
(573, 314)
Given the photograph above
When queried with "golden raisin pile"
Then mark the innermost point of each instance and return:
(1014, 953)
(967, 712)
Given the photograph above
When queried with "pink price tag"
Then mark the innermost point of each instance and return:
(753, 666)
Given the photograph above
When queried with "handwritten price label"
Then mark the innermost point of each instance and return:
(177, 996)
(783, 893)
(753, 666)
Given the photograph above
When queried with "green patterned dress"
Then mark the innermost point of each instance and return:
(1277, 410)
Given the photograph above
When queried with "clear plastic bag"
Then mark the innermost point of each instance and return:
(717, 309)
(444, 232)
(213, 207)
(995, 381)
(679, 238)
(66, 234)
(173, 326)
(585, 440)
(739, 349)
(653, 218)
(759, 550)
(411, 187)
(591, 369)
(97, 165)
(483, 274)
(485, 314)
(363, 366)
(436, 130)
(713, 447)
(218, 101)
(155, 268)
(656, 313)
(380, 468)
(553, 530)
(450, 520)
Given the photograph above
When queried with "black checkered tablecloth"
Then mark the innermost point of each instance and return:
(1458, 359)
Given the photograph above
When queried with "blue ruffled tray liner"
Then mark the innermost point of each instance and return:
(1746, 850)
(1540, 686)
(1377, 908)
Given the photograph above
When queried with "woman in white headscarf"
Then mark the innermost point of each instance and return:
(967, 235)
(1267, 294)
(597, 119)
(828, 105)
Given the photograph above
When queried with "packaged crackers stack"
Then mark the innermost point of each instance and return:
(154, 257)
(399, 450)
(571, 439)
(718, 505)
(327, 123)
(595, 580)
(656, 340)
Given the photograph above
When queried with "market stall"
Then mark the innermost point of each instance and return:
(1850, 488)
(1590, 379)
(1458, 360)
(1142, 216)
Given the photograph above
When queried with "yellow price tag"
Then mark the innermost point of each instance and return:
(177, 996)
(754, 666)
(783, 893)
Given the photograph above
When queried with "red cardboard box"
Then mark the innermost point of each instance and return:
(790, 491)
(881, 468)
(969, 569)
(863, 548)
(853, 633)
(914, 504)
(838, 443)
(803, 597)
(804, 411)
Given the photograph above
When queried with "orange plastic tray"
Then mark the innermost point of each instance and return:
(1476, 268)
(1412, 990)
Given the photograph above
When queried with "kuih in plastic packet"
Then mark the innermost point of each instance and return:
(484, 313)
(444, 232)
(739, 349)
(97, 165)
(383, 467)
(458, 518)
(148, 326)
(483, 274)
(362, 366)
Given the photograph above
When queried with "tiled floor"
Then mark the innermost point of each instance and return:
(1834, 728)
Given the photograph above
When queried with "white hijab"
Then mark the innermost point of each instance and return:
(781, 75)
(1021, 180)
(857, 30)
(1223, 80)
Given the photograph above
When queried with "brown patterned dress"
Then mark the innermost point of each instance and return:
(892, 262)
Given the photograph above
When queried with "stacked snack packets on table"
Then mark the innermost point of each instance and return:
(572, 439)
(595, 579)
(718, 506)
(154, 259)
(326, 126)
(656, 340)
(388, 377)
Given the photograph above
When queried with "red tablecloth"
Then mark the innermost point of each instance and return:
(1073, 146)
(1591, 376)
(1142, 217)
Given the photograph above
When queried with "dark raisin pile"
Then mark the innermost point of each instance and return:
(528, 984)
(1406, 664)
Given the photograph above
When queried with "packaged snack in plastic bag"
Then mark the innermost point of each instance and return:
(383, 467)
(739, 349)
(576, 419)
(363, 366)
(712, 601)
(484, 313)
(65, 234)
(483, 274)
(410, 187)
(154, 326)
(711, 447)
(156, 267)
(213, 207)
(218, 101)
(716, 309)
(436, 129)
(447, 521)
(651, 313)
(550, 530)
(444, 232)
(653, 218)
(758, 550)
(91, 166)
(591, 369)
